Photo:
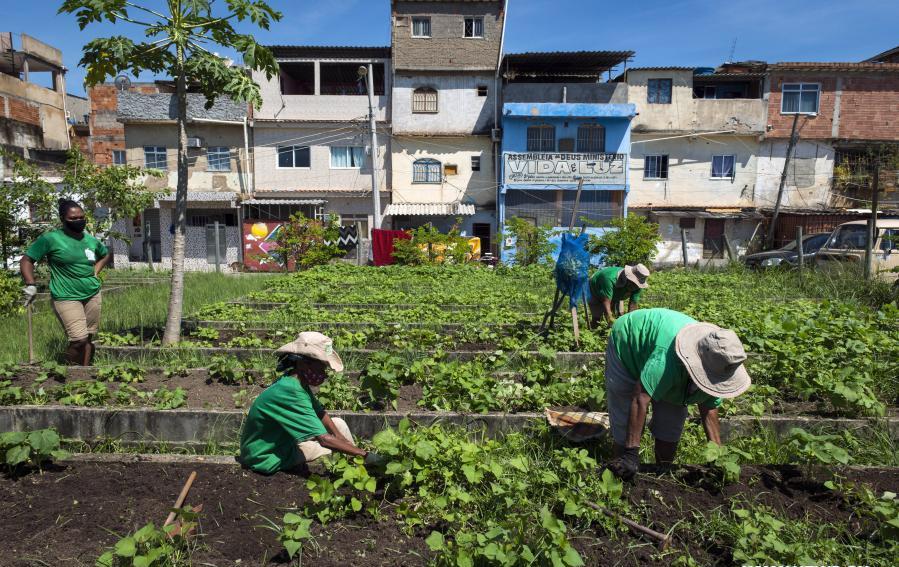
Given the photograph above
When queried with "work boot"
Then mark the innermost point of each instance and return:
(89, 350)
(75, 353)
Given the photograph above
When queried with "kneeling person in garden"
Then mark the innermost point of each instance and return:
(609, 287)
(666, 359)
(287, 426)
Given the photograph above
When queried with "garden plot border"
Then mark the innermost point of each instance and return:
(197, 427)
(132, 352)
(273, 305)
(193, 324)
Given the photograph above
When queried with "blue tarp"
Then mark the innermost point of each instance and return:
(571, 269)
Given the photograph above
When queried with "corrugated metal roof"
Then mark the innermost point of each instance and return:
(887, 56)
(561, 63)
(429, 209)
(346, 51)
(284, 202)
(663, 68)
(729, 76)
(835, 66)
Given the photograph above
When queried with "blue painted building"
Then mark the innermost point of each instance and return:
(561, 125)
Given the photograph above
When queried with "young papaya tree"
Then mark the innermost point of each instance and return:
(179, 40)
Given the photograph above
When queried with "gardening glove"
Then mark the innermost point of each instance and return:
(28, 294)
(375, 463)
(625, 466)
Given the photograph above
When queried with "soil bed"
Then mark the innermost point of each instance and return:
(68, 514)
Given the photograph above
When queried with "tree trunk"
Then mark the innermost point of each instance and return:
(176, 300)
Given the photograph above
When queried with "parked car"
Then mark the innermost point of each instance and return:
(789, 254)
(848, 242)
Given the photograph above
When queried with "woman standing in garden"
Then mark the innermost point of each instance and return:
(75, 259)
(666, 360)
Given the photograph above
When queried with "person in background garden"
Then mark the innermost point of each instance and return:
(75, 259)
(666, 359)
(287, 426)
(610, 286)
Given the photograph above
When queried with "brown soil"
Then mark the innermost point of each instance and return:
(69, 514)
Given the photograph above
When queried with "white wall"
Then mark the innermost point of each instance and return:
(809, 179)
(276, 106)
(472, 186)
(686, 114)
(738, 231)
(689, 182)
(319, 176)
(460, 109)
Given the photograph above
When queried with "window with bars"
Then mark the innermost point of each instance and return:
(541, 138)
(427, 171)
(474, 27)
(723, 167)
(800, 98)
(218, 158)
(293, 156)
(155, 158)
(421, 26)
(591, 138)
(424, 99)
(659, 91)
(118, 157)
(476, 163)
(655, 167)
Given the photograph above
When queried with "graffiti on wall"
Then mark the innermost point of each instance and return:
(260, 246)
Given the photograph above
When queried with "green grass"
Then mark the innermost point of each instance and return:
(138, 307)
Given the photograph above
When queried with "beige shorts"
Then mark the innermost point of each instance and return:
(312, 449)
(80, 319)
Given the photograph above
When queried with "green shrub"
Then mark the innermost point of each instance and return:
(429, 246)
(10, 294)
(532, 245)
(634, 241)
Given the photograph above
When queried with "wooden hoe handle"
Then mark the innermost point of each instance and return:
(181, 497)
(661, 540)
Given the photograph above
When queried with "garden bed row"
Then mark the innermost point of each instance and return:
(76, 509)
(202, 426)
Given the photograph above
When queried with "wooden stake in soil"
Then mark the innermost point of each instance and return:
(29, 312)
(181, 497)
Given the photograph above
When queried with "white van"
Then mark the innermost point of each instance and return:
(848, 241)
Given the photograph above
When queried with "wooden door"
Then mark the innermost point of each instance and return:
(713, 239)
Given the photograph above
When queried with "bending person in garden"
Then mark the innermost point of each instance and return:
(287, 426)
(609, 287)
(75, 259)
(667, 360)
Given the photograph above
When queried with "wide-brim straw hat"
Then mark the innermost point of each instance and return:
(714, 359)
(637, 275)
(314, 345)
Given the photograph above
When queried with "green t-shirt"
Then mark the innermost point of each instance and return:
(644, 343)
(604, 284)
(71, 263)
(285, 414)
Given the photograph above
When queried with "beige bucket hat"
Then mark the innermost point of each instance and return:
(714, 359)
(637, 275)
(314, 345)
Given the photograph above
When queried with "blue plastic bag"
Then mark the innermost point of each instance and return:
(571, 271)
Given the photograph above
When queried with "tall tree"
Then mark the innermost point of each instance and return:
(178, 42)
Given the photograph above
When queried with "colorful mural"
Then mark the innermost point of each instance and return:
(260, 246)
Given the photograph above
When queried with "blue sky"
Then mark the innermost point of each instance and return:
(661, 32)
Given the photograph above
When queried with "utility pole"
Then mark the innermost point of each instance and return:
(769, 238)
(368, 74)
(872, 224)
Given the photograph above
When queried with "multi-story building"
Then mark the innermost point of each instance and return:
(32, 103)
(312, 144)
(562, 126)
(219, 175)
(695, 148)
(840, 112)
(445, 56)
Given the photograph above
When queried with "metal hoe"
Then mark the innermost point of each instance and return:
(662, 540)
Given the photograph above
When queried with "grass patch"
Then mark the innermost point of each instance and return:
(138, 307)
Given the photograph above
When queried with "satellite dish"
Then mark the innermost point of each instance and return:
(122, 82)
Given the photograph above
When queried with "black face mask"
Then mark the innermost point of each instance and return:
(75, 225)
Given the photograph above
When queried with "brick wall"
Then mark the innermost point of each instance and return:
(107, 133)
(22, 111)
(868, 107)
(446, 49)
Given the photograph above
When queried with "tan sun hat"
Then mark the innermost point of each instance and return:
(714, 359)
(637, 275)
(314, 345)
